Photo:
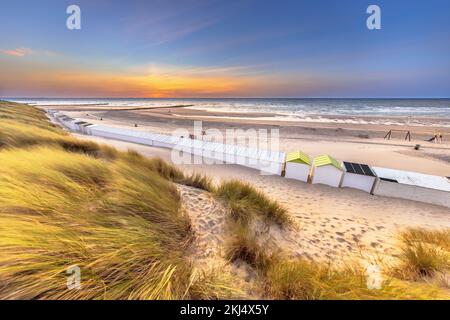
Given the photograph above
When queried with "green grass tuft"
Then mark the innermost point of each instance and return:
(199, 181)
(424, 253)
(245, 202)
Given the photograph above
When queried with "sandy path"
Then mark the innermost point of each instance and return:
(211, 233)
(208, 221)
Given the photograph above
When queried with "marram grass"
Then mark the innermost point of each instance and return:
(66, 202)
(120, 224)
(424, 253)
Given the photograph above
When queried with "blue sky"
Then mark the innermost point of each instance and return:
(241, 48)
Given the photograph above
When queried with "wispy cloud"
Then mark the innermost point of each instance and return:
(24, 51)
(168, 23)
(18, 52)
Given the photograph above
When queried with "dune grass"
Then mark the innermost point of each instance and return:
(119, 223)
(284, 278)
(424, 253)
(199, 181)
(170, 172)
(245, 202)
(66, 202)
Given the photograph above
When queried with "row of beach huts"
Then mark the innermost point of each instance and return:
(297, 165)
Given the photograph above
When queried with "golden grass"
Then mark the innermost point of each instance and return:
(245, 202)
(170, 172)
(424, 253)
(199, 181)
(214, 284)
(284, 278)
(244, 246)
(305, 280)
(120, 224)
(66, 202)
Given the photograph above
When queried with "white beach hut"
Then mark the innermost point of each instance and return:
(211, 151)
(229, 153)
(241, 155)
(276, 162)
(217, 152)
(412, 186)
(253, 158)
(70, 123)
(84, 128)
(326, 170)
(165, 141)
(298, 166)
(197, 147)
(121, 134)
(358, 176)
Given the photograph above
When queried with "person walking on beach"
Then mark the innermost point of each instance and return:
(435, 138)
(440, 137)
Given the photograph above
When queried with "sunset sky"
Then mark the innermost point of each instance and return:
(245, 48)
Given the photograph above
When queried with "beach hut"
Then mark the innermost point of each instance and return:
(121, 134)
(275, 162)
(85, 128)
(252, 158)
(266, 161)
(212, 151)
(358, 176)
(412, 186)
(326, 170)
(241, 155)
(298, 166)
(184, 146)
(197, 147)
(165, 141)
(229, 153)
(215, 151)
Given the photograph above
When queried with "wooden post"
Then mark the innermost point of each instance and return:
(388, 135)
(408, 135)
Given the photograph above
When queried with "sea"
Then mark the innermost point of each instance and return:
(428, 112)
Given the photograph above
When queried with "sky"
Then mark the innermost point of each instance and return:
(212, 48)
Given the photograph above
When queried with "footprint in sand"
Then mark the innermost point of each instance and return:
(374, 244)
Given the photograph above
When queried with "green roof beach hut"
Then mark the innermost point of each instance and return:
(298, 166)
(327, 170)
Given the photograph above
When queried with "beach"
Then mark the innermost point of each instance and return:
(333, 224)
(355, 142)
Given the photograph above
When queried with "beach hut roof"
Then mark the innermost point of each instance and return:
(324, 160)
(358, 168)
(413, 178)
(299, 157)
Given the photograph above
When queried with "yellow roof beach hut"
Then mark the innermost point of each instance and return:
(298, 166)
(327, 170)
